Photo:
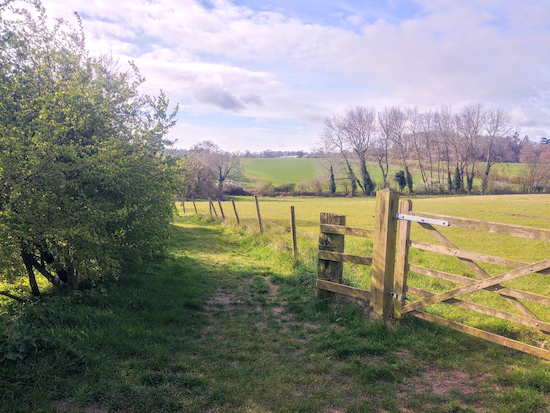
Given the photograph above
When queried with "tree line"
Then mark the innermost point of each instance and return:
(448, 148)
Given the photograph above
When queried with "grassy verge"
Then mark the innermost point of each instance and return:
(230, 322)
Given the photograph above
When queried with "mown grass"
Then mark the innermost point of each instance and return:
(230, 322)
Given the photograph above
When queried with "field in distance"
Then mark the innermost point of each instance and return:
(292, 170)
(257, 171)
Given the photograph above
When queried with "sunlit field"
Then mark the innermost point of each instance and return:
(527, 210)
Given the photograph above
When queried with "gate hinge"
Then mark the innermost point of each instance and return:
(401, 298)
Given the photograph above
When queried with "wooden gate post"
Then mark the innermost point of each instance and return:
(383, 256)
(330, 270)
(402, 260)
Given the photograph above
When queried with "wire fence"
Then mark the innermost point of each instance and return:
(255, 215)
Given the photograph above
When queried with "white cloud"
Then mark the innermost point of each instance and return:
(264, 64)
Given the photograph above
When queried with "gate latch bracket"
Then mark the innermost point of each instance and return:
(423, 220)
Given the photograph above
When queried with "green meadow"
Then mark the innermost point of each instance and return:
(527, 210)
(257, 171)
(228, 321)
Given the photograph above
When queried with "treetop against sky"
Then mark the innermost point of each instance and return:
(256, 75)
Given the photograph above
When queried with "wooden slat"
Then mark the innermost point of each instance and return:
(503, 315)
(458, 279)
(343, 289)
(481, 273)
(507, 342)
(542, 234)
(479, 285)
(455, 252)
(343, 230)
(341, 257)
(504, 291)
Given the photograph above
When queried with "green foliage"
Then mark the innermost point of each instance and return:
(84, 186)
(400, 179)
(409, 179)
(457, 180)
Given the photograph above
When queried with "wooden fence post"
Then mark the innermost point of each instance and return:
(330, 270)
(383, 256)
(259, 216)
(194, 206)
(210, 205)
(221, 209)
(235, 209)
(212, 208)
(183, 205)
(402, 260)
(293, 232)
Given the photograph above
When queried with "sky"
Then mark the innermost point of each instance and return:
(256, 75)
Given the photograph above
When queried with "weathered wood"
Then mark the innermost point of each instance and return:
(258, 214)
(480, 272)
(479, 285)
(459, 279)
(492, 227)
(195, 206)
(498, 289)
(507, 342)
(341, 257)
(210, 206)
(235, 209)
(221, 209)
(402, 259)
(456, 252)
(329, 269)
(383, 258)
(338, 229)
(343, 289)
(213, 209)
(183, 206)
(503, 315)
(293, 232)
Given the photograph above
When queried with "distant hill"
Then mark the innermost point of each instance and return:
(278, 170)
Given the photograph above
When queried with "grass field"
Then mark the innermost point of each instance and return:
(292, 170)
(528, 210)
(256, 171)
(228, 321)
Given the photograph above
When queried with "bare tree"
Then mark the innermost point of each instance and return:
(496, 127)
(445, 127)
(382, 143)
(360, 127)
(334, 132)
(223, 164)
(328, 160)
(470, 124)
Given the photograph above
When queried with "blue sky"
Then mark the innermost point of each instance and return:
(263, 75)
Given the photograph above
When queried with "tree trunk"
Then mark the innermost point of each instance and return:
(30, 271)
(72, 279)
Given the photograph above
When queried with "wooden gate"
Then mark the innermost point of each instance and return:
(469, 285)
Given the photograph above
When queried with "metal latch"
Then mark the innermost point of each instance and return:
(423, 220)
